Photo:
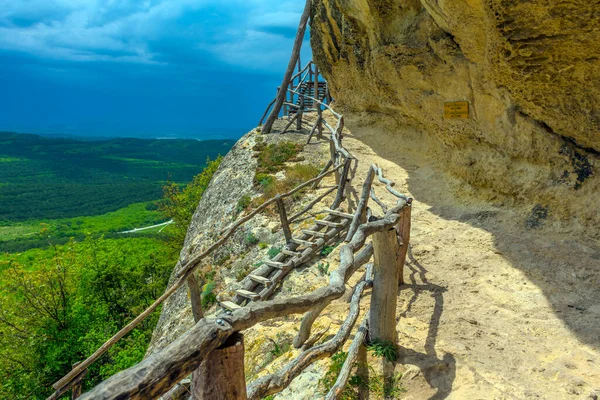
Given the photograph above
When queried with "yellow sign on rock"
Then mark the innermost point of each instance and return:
(456, 110)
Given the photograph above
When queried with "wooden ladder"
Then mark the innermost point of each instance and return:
(263, 281)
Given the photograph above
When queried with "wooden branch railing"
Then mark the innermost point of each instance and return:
(185, 272)
(159, 372)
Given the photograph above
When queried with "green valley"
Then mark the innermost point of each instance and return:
(70, 274)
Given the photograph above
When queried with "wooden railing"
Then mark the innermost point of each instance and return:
(158, 373)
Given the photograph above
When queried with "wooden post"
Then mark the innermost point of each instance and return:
(403, 230)
(362, 370)
(221, 374)
(284, 220)
(290, 69)
(77, 387)
(295, 117)
(333, 155)
(382, 317)
(315, 103)
(320, 125)
(342, 184)
(361, 207)
(300, 113)
(195, 297)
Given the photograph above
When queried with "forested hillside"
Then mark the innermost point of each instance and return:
(49, 178)
(69, 275)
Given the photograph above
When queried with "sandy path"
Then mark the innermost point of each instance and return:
(492, 310)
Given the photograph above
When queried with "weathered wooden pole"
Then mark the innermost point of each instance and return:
(221, 374)
(382, 317)
(342, 184)
(300, 113)
(77, 387)
(316, 97)
(382, 320)
(195, 297)
(333, 154)
(403, 229)
(290, 69)
(284, 219)
(320, 125)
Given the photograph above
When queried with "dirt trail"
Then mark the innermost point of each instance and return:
(491, 309)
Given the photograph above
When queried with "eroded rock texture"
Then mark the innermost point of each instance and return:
(530, 70)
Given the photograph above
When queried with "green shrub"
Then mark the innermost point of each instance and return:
(337, 362)
(273, 251)
(263, 180)
(208, 296)
(251, 238)
(271, 157)
(243, 203)
(327, 250)
(263, 245)
(294, 176)
(384, 348)
(323, 268)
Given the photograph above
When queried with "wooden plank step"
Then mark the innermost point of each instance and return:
(339, 214)
(332, 224)
(229, 305)
(314, 233)
(274, 264)
(291, 253)
(303, 242)
(247, 294)
(261, 279)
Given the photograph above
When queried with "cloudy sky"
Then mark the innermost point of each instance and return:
(143, 68)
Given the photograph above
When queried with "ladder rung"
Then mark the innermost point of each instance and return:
(291, 253)
(340, 214)
(260, 279)
(247, 294)
(314, 233)
(303, 242)
(229, 305)
(274, 264)
(331, 224)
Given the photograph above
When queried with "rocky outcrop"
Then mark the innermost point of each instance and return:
(530, 71)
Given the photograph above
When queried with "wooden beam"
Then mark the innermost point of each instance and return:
(316, 96)
(342, 184)
(283, 219)
(294, 118)
(333, 155)
(313, 130)
(359, 342)
(195, 297)
(221, 375)
(361, 208)
(382, 318)
(325, 168)
(290, 69)
(403, 229)
(300, 113)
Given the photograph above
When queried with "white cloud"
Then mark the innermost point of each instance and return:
(235, 31)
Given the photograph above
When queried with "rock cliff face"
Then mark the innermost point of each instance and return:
(530, 71)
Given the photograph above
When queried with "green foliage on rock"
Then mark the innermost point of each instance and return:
(180, 204)
(58, 305)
